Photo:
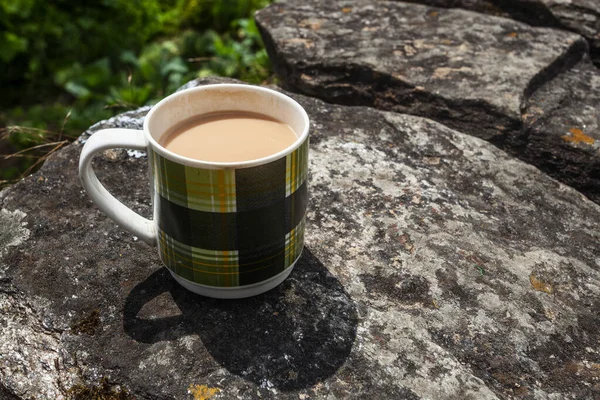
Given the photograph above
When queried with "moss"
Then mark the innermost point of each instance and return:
(88, 324)
(103, 391)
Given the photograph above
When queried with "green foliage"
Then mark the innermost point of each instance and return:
(42, 37)
(93, 59)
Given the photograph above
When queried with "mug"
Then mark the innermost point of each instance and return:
(223, 229)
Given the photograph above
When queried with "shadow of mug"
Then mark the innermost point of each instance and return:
(294, 336)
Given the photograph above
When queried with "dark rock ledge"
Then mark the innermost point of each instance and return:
(531, 91)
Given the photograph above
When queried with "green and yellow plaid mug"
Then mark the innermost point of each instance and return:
(224, 230)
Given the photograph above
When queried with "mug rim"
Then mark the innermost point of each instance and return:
(192, 162)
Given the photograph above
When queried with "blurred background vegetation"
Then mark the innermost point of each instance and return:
(65, 65)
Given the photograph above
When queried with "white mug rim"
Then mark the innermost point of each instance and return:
(192, 162)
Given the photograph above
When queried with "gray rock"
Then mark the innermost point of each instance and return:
(130, 120)
(580, 16)
(562, 121)
(14, 233)
(473, 72)
(436, 266)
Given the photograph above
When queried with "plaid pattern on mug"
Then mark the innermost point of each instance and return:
(199, 189)
(231, 227)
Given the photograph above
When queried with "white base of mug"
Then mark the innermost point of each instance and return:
(239, 292)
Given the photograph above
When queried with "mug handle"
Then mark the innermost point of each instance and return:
(108, 204)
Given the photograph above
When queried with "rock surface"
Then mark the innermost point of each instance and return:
(562, 122)
(436, 267)
(470, 71)
(476, 73)
(580, 16)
